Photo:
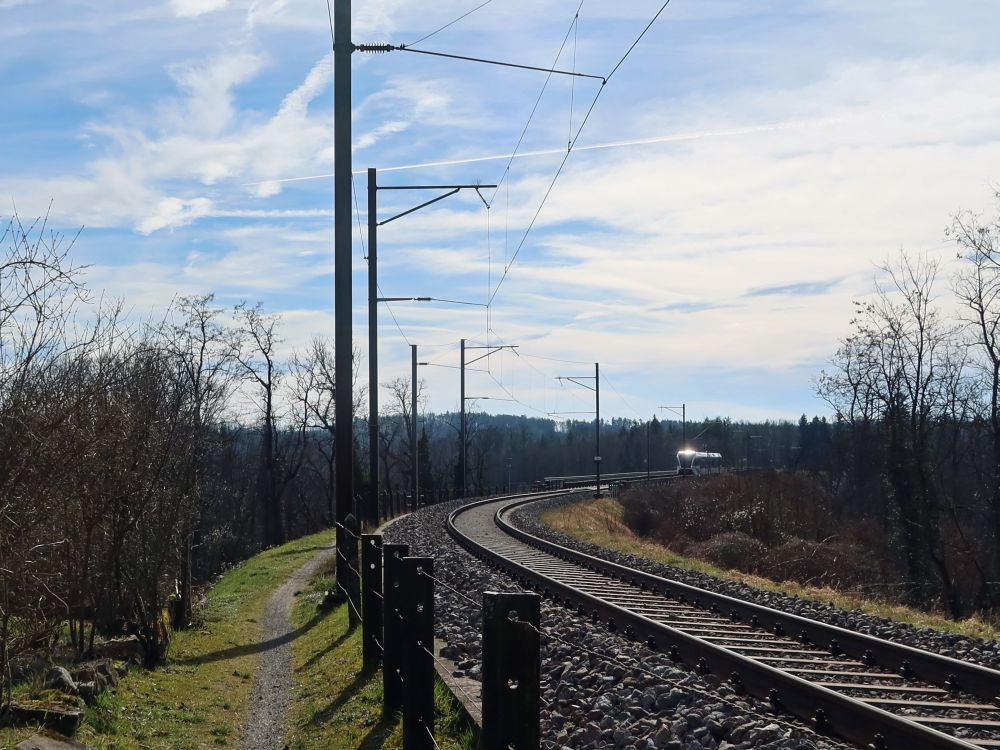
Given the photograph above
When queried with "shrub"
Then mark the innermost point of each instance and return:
(836, 564)
(733, 550)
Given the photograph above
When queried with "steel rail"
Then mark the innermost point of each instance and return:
(918, 664)
(828, 711)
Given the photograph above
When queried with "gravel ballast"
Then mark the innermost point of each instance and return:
(599, 690)
(974, 650)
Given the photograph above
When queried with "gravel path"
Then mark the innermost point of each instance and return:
(265, 724)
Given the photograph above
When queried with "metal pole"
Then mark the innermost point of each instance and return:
(647, 451)
(373, 468)
(343, 346)
(461, 447)
(414, 445)
(597, 401)
(684, 425)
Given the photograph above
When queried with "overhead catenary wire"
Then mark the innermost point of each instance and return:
(572, 88)
(393, 315)
(534, 109)
(569, 150)
(573, 29)
(614, 390)
(513, 397)
(501, 63)
(438, 30)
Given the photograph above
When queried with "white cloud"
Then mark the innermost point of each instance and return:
(643, 255)
(195, 8)
(174, 212)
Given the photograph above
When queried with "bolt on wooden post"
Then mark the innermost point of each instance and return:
(393, 627)
(371, 600)
(511, 671)
(418, 693)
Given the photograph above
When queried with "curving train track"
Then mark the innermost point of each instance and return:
(872, 692)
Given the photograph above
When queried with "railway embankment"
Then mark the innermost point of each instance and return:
(596, 528)
(598, 688)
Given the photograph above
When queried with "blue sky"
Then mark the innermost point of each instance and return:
(784, 150)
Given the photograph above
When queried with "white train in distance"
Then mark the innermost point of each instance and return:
(698, 463)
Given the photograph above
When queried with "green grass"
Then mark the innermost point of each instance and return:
(199, 698)
(600, 522)
(335, 705)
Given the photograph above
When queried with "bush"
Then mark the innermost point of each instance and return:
(768, 506)
(733, 550)
(819, 563)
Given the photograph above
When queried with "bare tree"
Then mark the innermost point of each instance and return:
(977, 287)
(39, 290)
(901, 368)
(204, 350)
(314, 387)
(257, 355)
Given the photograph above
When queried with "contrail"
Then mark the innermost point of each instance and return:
(597, 146)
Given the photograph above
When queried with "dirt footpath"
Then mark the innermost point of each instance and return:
(265, 723)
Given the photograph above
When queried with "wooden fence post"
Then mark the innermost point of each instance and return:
(418, 695)
(371, 600)
(511, 671)
(353, 584)
(393, 628)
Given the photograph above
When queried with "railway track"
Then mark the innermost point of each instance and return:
(875, 693)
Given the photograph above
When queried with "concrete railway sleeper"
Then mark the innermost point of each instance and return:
(872, 692)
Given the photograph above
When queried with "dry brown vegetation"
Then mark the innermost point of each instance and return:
(599, 522)
(129, 468)
(773, 524)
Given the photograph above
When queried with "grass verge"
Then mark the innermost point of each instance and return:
(338, 707)
(600, 522)
(198, 699)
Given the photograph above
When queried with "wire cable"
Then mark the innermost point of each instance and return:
(534, 108)
(448, 668)
(422, 572)
(514, 398)
(569, 150)
(346, 530)
(392, 314)
(572, 88)
(430, 734)
(620, 396)
(500, 63)
(450, 23)
(350, 603)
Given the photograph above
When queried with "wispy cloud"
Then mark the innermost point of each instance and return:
(716, 183)
(796, 289)
(194, 8)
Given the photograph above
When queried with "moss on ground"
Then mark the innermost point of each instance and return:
(600, 522)
(338, 707)
(199, 698)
